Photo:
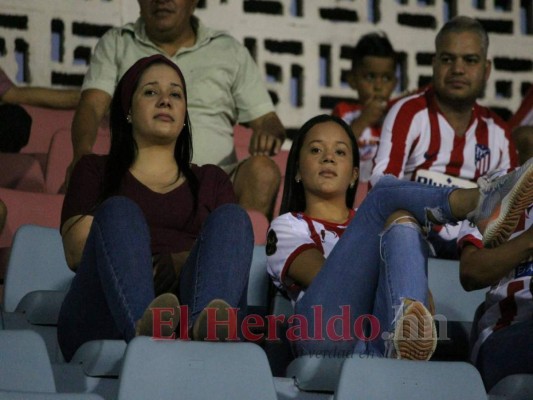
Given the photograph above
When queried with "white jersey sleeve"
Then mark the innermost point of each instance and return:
(287, 237)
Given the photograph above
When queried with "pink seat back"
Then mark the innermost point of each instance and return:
(45, 122)
(260, 225)
(29, 208)
(21, 172)
(60, 155)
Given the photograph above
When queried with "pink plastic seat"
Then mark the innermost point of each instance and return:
(45, 122)
(29, 208)
(60, 155)
(260, 225)
(241, 139)
(21, 172)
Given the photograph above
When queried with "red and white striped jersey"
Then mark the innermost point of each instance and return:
(416, 135)
(367, 142)
(292, 233)
(524, 114)
(510, 300)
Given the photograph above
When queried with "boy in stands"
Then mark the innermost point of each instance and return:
(373, 77)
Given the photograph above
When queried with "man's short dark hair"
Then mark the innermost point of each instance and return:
(461, 24)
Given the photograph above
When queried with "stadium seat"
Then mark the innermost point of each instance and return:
(36, 263)
(24, 362)
(454, 309)
(382, 378)
(513, 387)
(315, 374)
(5, 395)
(25, 369)
(260, 226)
(21, 172)
(45, 122)
(60, 155)
(258, 283)
(37, 280)
(29, 208)
(195, 370)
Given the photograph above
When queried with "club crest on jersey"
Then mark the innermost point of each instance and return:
(272, 241)
(524, 269)
(482, 157)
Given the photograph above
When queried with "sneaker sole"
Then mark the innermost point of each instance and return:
(512, 206)
(145, 326)
(201, 325)
(415, 337)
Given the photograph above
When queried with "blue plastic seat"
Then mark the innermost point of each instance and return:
(513, 387)
(383, 378)
(24, 362)
(161, 369)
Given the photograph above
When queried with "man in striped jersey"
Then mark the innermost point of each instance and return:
(442, 136)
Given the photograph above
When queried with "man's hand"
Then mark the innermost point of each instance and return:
(264, 144)
(268, 135)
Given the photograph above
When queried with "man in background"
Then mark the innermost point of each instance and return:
(225, 88)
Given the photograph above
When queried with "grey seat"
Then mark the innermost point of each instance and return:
(163, 369)
(383, 378)
(36, 283)
(24, 362)
(5, 395)
(513, 387)
(315, 374)
(36, 263)
(455, 309)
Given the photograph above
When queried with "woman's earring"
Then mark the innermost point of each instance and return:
(128, 118)
(298, 180)
(352, 185)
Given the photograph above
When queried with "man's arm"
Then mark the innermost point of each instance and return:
(483, 267)
(36, 96)
(42, 97)
(93, 105)
(268, 135)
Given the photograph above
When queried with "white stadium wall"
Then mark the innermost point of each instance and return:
(302, 47)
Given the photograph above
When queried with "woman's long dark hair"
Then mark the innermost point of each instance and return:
(123, 146)
(293, 192)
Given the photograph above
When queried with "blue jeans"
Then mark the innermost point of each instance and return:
(507, 351)
(114, 282)
(370, 270)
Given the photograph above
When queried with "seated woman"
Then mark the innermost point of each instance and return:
(144, 222)
(358, 280)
